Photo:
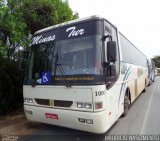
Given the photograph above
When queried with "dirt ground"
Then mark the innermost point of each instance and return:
(16, 124)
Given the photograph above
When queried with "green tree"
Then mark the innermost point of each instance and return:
(39, 14)
(156, 59)
(18, 20)
(12, 28)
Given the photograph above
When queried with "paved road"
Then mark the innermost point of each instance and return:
(143, 118)
(144, 115)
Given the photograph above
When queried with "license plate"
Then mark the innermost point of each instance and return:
(51, 116)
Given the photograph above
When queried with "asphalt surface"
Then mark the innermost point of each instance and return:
(144, 115)
(142, 119)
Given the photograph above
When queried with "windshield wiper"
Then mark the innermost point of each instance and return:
(61, 70)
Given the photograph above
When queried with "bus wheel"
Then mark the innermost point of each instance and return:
(126, 105)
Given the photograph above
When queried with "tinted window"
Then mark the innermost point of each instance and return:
(131, 54)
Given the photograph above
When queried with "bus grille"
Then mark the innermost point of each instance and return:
(55, 103)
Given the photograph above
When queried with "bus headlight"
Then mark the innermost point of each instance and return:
(80, 105)
(84, 105)
(28, 100)
(88, 105)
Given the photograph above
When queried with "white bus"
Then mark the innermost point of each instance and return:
(82, 74)
(151, 71)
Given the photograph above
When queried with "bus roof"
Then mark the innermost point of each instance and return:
(94, 17)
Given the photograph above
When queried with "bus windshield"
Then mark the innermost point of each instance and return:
(78, 57)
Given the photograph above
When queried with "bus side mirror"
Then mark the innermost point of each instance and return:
(111, 51)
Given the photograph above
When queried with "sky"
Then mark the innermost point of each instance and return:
(138, 20)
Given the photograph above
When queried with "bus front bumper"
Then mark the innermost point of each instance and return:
(68, 118)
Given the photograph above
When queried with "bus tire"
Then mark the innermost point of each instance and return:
(127, 104)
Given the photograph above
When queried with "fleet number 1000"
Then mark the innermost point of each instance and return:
(99, 93)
